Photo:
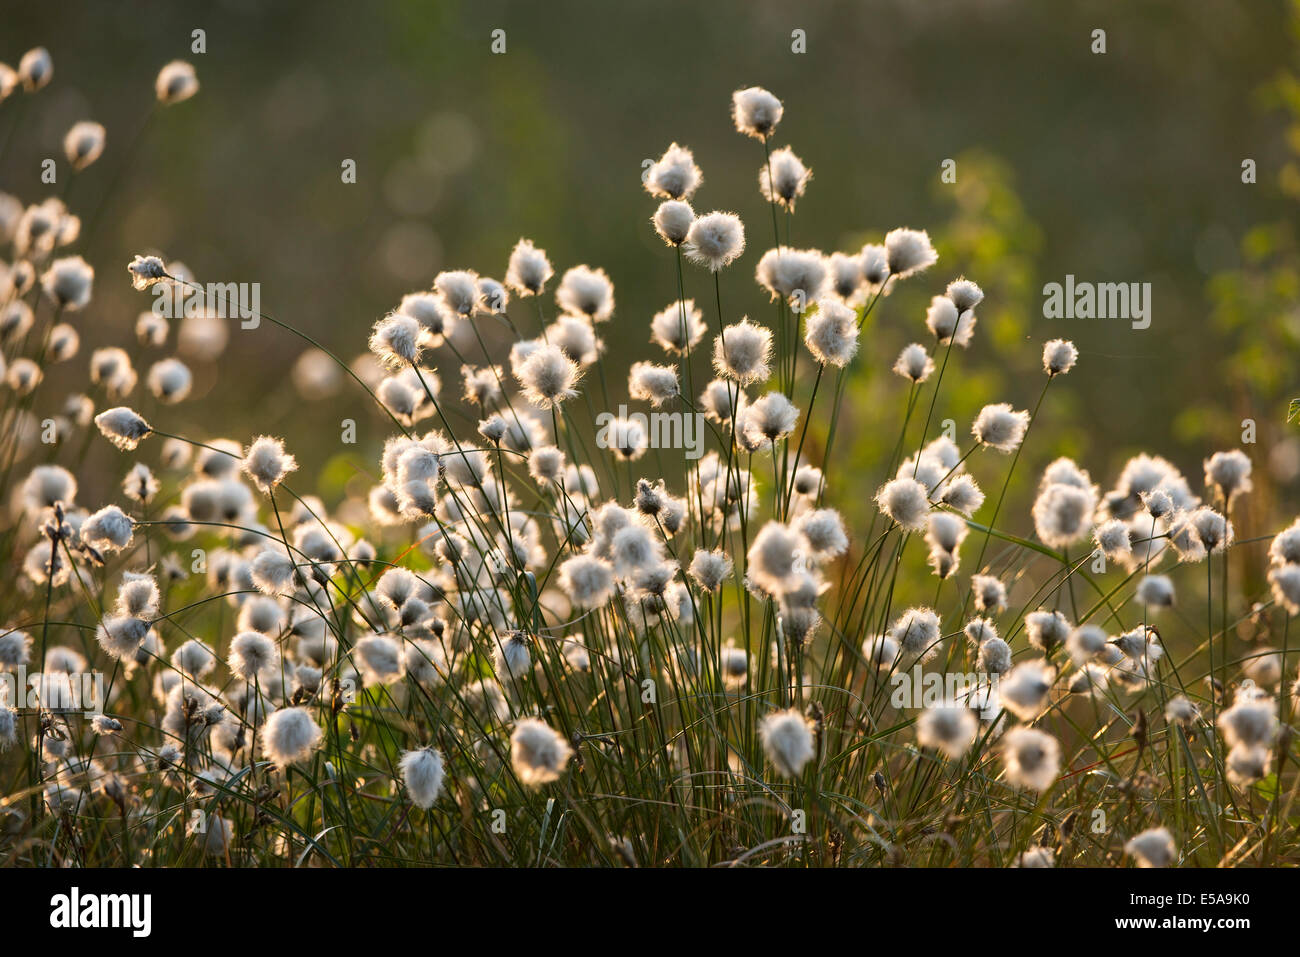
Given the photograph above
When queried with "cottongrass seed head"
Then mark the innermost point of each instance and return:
(538, 753)
(788, 741)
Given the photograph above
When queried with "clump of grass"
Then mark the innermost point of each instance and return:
(530, 642)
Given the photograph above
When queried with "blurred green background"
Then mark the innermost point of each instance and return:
(1117, 167)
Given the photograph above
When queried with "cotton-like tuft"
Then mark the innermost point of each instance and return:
(1000, 427)
(529, 270)
(68, 283)
(715, 240)
(587, 292)
(742, 352)
(917, 633)
(756, 112)
(35, 69)
(1152, 848)
(251, 654)
(652, 383)
(548, 377)
(711, 569)
(788, 742)
(678, 327)
(907, 252)
(831, 333)
(948, 728)
(914, 363)
(905, 501)
(537, 753)
(83, 144)
(289, 736)
(783, 178)
(176, 82)
(109, 529)
(674, 176)
(673, 220)
(948, 324)
(1059, 356)
(1024, 690)
(1228, 473)
(267, 463)
(1032, 758)
(422, 773)
(588, 581)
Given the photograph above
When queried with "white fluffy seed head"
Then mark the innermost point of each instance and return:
(905, 501)
(267, 463)
(674, 176)
(788, 741)
(1063, 514)
(398, 340)
(35, 69)
(715, 240)
(907, 252)
(548, 376)
(914, 363)
(83, 144)
(1152, 848)
(831, 333)
(251, 655)
(917, 633)
(1032, 758)
(948, 323)
(109, 529)
(1000, 427)
(1228, 474)
(587, 292)
(459, 291)
(783, 178)
(169, 380)
(1059, 357)
(768, 419)
(678, 327)
(68, 283)
(673, 220)
(756, 112)
(537, 753)
(1025, 689)
(949, 728)
(588, 581)
(742, 352)
(529, 270)
(711, 569)
(652, 383)
(176, 82)
(422, 773)
(289, 736)
(1285, 582)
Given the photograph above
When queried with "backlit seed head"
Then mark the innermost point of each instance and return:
(673, 220)
(123, 427)
(83, 144)
(788, 741)
(907, 252)
(715, 240)
(675, 176)
(756, 112)
(529, 269)
(176, 82)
